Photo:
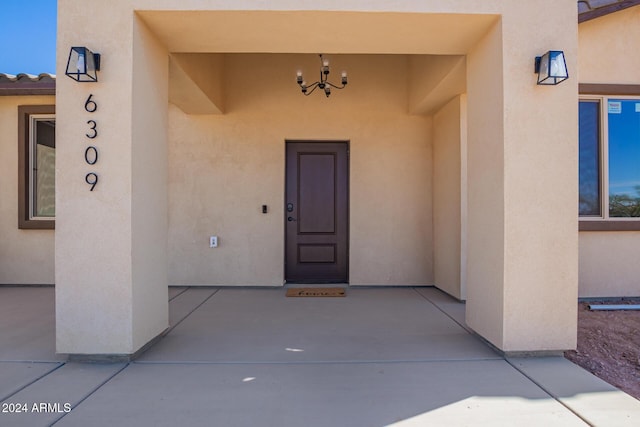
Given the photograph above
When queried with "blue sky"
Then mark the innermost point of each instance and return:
(28, 36)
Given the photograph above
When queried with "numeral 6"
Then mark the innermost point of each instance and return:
(90, 105)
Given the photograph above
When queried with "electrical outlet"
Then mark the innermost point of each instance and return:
(213, 241)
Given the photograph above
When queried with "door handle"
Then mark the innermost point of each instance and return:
(291, 219)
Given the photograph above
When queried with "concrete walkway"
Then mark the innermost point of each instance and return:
(252, 357)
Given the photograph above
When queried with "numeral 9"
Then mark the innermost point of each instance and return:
(92, 180)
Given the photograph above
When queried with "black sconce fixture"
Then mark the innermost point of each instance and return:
(323, 83)
(551, 68)
(83, 64)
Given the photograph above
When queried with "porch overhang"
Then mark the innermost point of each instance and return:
(435, 44)
(318, 31)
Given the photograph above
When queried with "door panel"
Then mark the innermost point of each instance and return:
(316, 253)
(316, 193)
(317, 214)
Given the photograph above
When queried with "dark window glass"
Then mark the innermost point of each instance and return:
(589, 142)
(43, 185)
(624, 157)
(36, 167)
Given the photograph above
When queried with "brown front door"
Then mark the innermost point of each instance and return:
(317, 212)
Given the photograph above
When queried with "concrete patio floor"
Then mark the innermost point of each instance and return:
(252, 357)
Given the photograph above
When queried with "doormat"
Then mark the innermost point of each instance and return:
(316, 292)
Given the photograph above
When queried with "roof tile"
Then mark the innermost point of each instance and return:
(27, 84)
(591, 9)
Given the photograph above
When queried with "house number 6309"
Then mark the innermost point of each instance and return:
(91, 152)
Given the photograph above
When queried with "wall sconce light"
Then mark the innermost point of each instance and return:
(83, 64)
(323, 83)
(551, 68)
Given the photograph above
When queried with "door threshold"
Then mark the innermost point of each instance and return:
(315, 285)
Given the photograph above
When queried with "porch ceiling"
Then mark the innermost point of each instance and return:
(315, 32)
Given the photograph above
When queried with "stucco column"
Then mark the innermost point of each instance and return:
(522, 186)
(111, 241)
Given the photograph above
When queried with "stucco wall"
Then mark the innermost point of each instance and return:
(26, 256)
(609, 264)
(111, 278)
(149, 186)
(485, 267)
(447, 197)
(608, 47)
(522, 238)
(223, 168)
(541, 190)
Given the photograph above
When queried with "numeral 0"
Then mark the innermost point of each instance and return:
(92, 180)
(91, 155)
(90, 105)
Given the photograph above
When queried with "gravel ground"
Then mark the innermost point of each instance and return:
(609, 345)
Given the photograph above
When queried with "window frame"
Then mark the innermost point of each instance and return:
(25, 219)
(601, 93)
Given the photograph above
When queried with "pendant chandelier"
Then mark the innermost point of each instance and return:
(323, 83)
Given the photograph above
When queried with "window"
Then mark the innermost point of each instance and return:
(37, 157)
(609, 157)
(624, 157)
(589, 158)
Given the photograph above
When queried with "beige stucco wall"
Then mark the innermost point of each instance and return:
(540, 187)
(609, 264)
(26, 256)
(434, 80)
(111, 279)
(486, 262)
(608, 47)
(196, 82)
(522, 269)
(149, 199)
(448, 142)
(223, 168)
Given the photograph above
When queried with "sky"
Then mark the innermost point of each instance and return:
(28, 36)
